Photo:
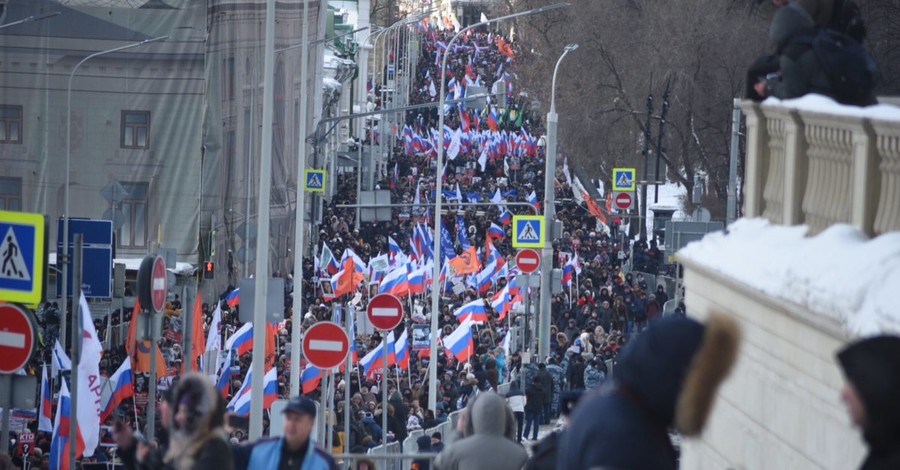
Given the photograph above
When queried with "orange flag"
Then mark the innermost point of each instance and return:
(142, 359)
(198, 340)
(594, 209)
(271, 333)
(466, 263)
(131, 341)
(348, 279)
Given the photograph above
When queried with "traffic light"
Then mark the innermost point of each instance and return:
(209, 270)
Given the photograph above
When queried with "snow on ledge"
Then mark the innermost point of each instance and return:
(823, 104)
(839, 273)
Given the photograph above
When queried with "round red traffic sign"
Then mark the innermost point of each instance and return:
(528, 261)
(325, 345)
(385, 311)
(17, 338)
(159, 284)
(624, 201)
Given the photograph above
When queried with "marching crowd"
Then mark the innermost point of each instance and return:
(600, 308)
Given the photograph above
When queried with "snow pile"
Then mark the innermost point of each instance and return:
(822, 104)
(839, 273)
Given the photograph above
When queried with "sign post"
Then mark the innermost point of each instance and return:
(385, 312)
(152, 290)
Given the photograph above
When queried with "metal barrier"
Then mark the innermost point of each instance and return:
(391, 452)
(410, 446)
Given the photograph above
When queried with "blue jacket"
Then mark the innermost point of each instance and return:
(267, 454)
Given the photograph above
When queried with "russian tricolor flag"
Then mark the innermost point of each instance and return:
(401, 351)
(59, 446)
(270, 388)
(372, 361)
(233, 299)
(223, 383)
(568, 273)
(417, 281)
(495, 231)
(310, 378)
(123, 387)
(460, 342)
(242, 340)
(472, 312)
(395, 283)
(500, 303)
(533, 200)
(240, 402)
(45, 421)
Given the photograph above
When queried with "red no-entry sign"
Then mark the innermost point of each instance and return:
(385, 312)
(528, 261)
(17, 338)
(325, 345)
(624, 201)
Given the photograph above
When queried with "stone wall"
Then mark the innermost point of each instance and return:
(781, 407)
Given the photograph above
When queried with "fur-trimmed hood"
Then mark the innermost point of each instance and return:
(675, 367)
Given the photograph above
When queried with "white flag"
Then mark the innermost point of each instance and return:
(214, 339)
(482, 160)
(89, 384)
(60, 360)
(431, 89)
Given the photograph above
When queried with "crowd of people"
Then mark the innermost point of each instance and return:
(600, 309)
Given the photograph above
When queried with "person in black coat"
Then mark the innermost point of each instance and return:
(547, 384)
(625, 425)
(534, 406)
(872, 369)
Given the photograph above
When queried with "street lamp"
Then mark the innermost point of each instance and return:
(29, 19)
(432, 366)
(62, 258)
(549, 214)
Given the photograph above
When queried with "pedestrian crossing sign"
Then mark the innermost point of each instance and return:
(528, 231)
(623, 180)
(23, 257)
(314, 181)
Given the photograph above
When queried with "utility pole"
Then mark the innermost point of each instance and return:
(647, 137)
(659, 138)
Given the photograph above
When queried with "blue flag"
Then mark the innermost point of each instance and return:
(447, 248)
(461, 232)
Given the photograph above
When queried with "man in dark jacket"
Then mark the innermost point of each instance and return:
(534, 406)
(872, 369)
(676, 360)
(547, 384)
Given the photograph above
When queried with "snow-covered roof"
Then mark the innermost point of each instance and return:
(839, 273)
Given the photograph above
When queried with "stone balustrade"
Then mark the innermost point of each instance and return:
(812, 161)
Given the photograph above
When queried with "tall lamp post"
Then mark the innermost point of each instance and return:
(435, 291)
(63, 258)
(549, 214)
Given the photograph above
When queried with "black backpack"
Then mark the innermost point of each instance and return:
(850, 68)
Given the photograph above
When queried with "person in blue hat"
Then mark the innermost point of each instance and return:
(293, 450)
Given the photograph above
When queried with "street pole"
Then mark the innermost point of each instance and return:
(76, 347)
(436, 274)
(731, 208)
(63, 258)
(300, 212)
(549, 215)
(262, 232)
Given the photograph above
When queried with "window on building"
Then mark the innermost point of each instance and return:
(135, 129)
(134, 231)
(228, 78)
(10, 124)
(11, 194)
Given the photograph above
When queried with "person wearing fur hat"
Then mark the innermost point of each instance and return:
(666, 376)
(872, 369)
(196, 435)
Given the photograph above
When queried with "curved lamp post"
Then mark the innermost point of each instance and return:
(435, 307)
(549, 214)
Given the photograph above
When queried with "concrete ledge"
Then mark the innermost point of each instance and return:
(781, 407)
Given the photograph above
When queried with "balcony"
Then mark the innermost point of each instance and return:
(811, 161)
(813, 265)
